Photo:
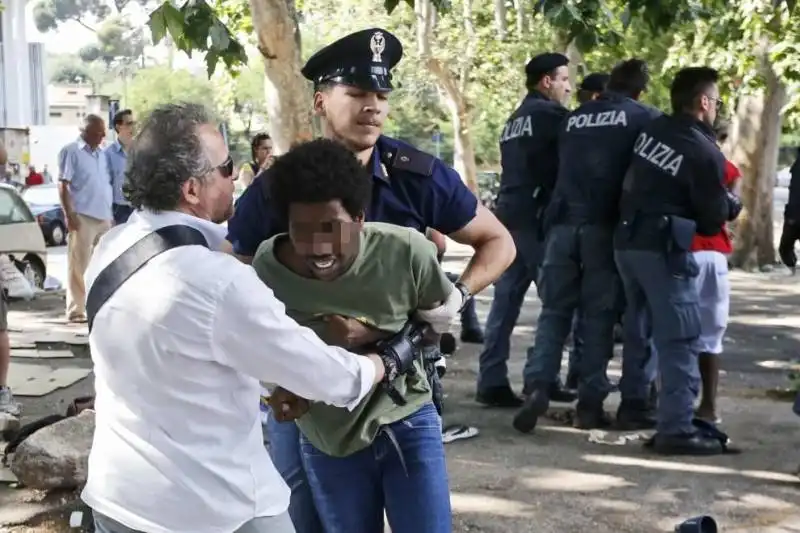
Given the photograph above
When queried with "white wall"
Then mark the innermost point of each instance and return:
(46, 142)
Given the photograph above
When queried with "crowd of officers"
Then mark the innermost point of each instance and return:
(603, 203)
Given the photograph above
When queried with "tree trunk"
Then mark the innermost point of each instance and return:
(452, 88)
(569, 48)
(288, 99)
(519, 11)
(757, 129)
(500, 18)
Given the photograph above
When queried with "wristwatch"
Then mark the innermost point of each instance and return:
(466, 296)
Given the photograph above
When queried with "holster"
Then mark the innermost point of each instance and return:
(679, 235)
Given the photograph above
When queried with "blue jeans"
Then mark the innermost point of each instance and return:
(509, 293)
(410, 483)
(578, 275)
(284, 448)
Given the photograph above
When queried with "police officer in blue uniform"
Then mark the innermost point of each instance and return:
(352, 81)
(529, 157)
(592, 86)
(673, 188)
(791, 218)
(578, 274)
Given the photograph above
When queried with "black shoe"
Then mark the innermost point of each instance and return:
(447, 344)
(535, 405)
(635, 416)
(696, 444)
(472, 336)
(502, 397)
(572, 381)
(559, 394)
(591, 417)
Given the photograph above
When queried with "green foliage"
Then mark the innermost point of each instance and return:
(117, 40)
(154, 86)
(195, 26)
(67, 68)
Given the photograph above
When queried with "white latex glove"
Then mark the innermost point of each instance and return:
(441, 318)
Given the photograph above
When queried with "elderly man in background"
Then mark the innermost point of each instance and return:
(85, 191)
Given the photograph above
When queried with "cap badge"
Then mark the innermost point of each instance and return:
(377, 44)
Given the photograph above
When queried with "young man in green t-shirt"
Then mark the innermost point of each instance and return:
(355, 283)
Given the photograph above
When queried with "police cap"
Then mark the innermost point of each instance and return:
(595, 82)
(363, 59)
(544, 64)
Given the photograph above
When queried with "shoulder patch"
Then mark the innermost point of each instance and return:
(411, 160)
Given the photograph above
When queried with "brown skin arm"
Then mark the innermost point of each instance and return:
(494, 249)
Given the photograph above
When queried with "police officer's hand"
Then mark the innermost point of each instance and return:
(287, 406)
(789, 236)
(441, 318)
(349, 333)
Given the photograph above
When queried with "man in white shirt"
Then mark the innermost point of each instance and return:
(179, 350)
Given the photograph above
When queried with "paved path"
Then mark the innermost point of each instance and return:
(556, 480)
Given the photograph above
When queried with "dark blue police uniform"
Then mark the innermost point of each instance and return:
(673, 188)
(529, 158)
(578, 272)
(411, 189)
(791, 218)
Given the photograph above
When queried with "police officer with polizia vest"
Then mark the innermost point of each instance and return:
(529, 158)
(352, 82)
(578, 273)
(673, 189)
(591, 87)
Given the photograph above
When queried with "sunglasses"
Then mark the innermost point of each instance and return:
(226, 168)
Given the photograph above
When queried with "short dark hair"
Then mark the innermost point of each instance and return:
(688, 85)
(321, 170)
(119, 118)
(165, 154)
(258, 138)
(532, 80)
(629, 77)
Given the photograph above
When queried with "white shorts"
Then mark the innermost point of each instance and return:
(714, 290)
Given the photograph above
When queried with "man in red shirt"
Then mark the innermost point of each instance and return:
(713, 287)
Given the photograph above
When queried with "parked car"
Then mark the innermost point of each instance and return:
(20, 236)
(46, 207)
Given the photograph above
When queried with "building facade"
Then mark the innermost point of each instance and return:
(68, 103)
(23, 102)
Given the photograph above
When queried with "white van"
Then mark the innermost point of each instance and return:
(20, 235)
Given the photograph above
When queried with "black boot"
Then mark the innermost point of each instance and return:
(696, 444)
(536, 404)
(559, 394)
(635, 415)
(502, 397)
(591, 416)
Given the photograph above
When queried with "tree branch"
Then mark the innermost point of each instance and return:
(80, 21)
(468, 59)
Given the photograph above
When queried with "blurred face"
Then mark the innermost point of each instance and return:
(710, 105)
(351, 115)
(211, 197)
(325, 237)
(264, 152)
(94, 133)
(125, 131)
(556, 85)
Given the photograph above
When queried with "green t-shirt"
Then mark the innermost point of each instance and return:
(395, 273)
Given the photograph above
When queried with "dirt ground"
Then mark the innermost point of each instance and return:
(556, 480)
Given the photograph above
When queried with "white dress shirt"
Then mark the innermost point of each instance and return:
(178, 353)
